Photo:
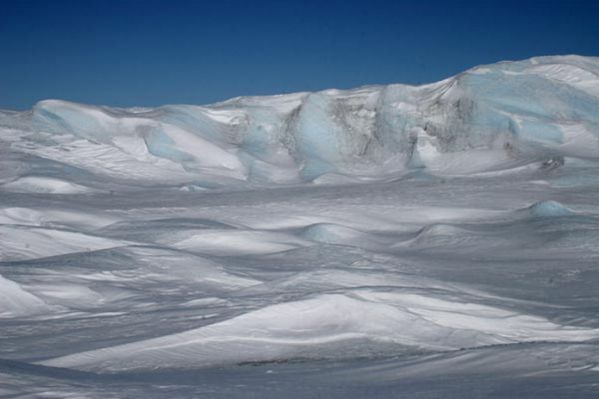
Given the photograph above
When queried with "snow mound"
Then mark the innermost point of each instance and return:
(436, 235)
(27, 242)
(55, 216)
(285, 330)
(235, 242)
(331, 233)
(549, 209)
(15, 301)
(40, 184)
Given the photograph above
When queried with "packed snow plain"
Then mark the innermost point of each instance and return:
(389, 241)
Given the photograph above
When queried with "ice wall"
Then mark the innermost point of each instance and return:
(487, 118)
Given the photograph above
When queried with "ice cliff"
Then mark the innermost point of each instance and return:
(489, 118)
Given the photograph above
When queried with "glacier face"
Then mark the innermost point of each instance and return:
(430, 241)
(493, 117)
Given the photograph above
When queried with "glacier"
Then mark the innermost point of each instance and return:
(425, 241)
(488, 118)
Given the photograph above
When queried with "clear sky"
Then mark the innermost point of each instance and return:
(147, 53)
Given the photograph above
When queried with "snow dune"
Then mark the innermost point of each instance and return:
(26, 242)
(38, 184)
(281, 331)
(15, 301)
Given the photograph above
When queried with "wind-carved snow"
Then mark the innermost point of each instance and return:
(39, 184)
(15, 301)
(281, 331)
(435, 240)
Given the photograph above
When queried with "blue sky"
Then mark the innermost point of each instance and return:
(148, 53)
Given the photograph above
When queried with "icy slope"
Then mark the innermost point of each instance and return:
(489, 118)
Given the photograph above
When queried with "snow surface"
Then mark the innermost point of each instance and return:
(431, 241)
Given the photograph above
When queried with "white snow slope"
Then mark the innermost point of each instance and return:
(388, 241)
